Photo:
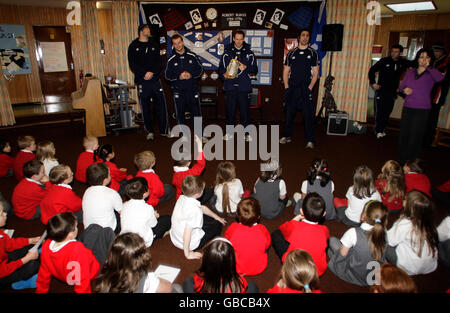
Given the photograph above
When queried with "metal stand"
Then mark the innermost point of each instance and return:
(122, 118)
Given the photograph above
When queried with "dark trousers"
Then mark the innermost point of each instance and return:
(188, 286)
(341, 217)
(208, 194)
(22, 273)
(169, 192)
(153, 90)
(186, 99)
(234, 99)
(383, 105)
(212, 229)
(295, 99)
(391, 255)
(118, 227)
(432, 124)
(163, 225)
(412, 131)
(279, 243)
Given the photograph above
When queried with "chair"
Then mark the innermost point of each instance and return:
(209, 96)
(255, 102)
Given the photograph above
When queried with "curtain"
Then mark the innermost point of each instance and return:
(126, 14)
(91, 60)
(6, 111)
(444, 116)
(351, 65)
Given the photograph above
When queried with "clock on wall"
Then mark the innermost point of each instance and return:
(211, 14)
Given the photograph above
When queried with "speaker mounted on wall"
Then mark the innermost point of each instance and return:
(332, 35)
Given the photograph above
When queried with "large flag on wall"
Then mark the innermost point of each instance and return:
(320, 19)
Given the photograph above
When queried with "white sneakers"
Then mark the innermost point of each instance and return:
(248, 138)
(227, 137)
(150, 136)
(297, 196)
(284, 140)
(309, 145)
(381, 135)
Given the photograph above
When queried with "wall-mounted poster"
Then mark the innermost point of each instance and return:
(54, 57)
(14, 50)
(289, 44)
(259, 17)
(155, 20)
(208, 45)
(260, 41)
(174, 19)
(277, 16)
(234, 20)
(264, 76)
(195, 16)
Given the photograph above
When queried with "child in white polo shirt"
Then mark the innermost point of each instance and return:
(101, 205)
(139, 217)
(193, 224)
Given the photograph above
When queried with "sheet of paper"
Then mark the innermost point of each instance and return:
(256, 42)
(36, 246)
(260, 32)
(168, 273)
(267, 42)
(264, 80)
(403, 41)
(265, 67)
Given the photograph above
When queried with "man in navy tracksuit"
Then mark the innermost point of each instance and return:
(300, 74)
(145, 62)
(183, 70)
(237, 89)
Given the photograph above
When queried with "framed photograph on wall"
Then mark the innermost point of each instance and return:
(259, 17)
(195, 16)
(277, 16)
(155, 20)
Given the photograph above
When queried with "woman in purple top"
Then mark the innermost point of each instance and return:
(416, 85)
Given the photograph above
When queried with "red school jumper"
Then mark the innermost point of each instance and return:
(419, 182)
(22, 157)
(85, 159)
(395, 204)
(250, 244)
(6, 162)
(197, 169)
(155, 186)
(199, 281)
(27, 195)
(8, 244)
(64, 264)
(58, 199)
(310, 237)
(116, 175)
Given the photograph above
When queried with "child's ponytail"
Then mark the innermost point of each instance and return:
(375, 213)
(102, 152)
(319, 168)
(226, 172)
(226, 199)
(299, 271)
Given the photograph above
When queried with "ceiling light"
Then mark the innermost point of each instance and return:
(412, 6)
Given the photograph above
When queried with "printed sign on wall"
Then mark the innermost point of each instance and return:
(14, 50)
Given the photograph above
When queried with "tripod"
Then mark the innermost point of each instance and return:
(328, 103)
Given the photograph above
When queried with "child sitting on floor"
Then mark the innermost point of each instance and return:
(228, 189)
(6, 159)
(86, 158)
(415, 177)
(27, 146)
(391, 186)
(46, 154)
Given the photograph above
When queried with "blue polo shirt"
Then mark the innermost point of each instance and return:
(301, 62)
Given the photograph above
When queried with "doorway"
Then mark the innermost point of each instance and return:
(56, 68)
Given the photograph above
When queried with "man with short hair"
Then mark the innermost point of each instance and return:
(145, 62)
(237, 88)
(300, 74)
(389, 71)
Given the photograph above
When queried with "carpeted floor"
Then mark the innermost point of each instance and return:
(344, 153)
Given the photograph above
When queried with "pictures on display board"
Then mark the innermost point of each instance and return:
(155, 20)
(277, 16)
(196, 16)
(259, 17)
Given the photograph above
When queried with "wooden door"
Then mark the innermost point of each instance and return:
(56, 69)
(412, 41)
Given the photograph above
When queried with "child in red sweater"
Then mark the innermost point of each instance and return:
(298, 274)
(415, 177)
(391, 185)
(119, 177)
(60, 197)
(250, 239)
(65, 258)
(16, 262)
(6, 160)
(86, 158)
(28, 194)
(145, 161)
(304, 232)
(27, 144)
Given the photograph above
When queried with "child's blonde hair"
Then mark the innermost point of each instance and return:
(45, 151)
(25, 141)
(89, 141)
(392, 172)
(299, 271)
(226, 172)
(394, 280)
(144, 160)
(58, 174)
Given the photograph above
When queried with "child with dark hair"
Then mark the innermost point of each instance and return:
(27, 146)
(6, 159)
(30, 191)
(250, 239)
(218, 273)
(139, 217)
(128, 269)
(415, 178)
(119, 177)
(359, 246)
(193, 224)
(318, 179)
(270, 190)
(394, 280)
(413, 239)
(18, 265)
(391, 185)
(60, 196)
(65, 258)
(298, 274)
(304, 232)
(348, 211)
(101, 205)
